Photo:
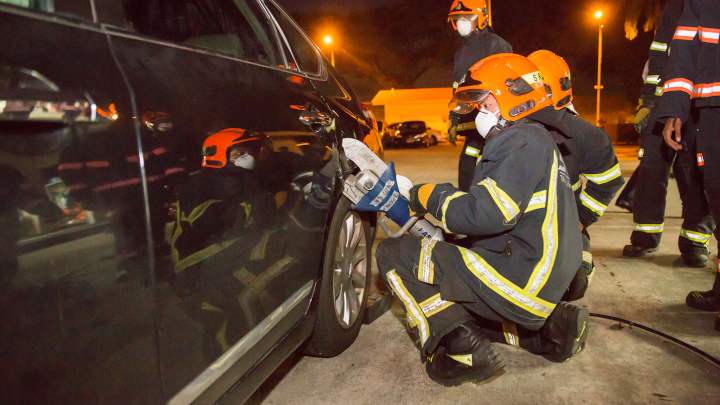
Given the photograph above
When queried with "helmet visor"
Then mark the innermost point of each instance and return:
(464, 101)
(468, 17)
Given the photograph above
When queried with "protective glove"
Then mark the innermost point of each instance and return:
(642, 112)
(416, 206)
(452, 129)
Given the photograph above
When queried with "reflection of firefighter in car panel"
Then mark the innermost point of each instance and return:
(222, 232)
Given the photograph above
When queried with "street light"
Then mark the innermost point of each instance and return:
(598, 15)
(328, 41)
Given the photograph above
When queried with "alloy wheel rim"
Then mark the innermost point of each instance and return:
(350, 270)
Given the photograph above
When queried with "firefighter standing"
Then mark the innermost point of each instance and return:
(470, 19)
(589, 152)
(691, 96)
(656, 159)
(521, 218)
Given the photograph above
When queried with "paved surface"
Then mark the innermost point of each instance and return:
(621, 365)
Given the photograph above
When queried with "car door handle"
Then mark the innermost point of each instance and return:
(313, 117)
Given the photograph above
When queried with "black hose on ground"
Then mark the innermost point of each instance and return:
(663, 335)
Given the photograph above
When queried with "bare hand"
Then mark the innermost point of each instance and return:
(673, 125)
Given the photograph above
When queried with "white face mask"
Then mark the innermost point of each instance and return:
(464, 27)
(485, 121)
(245, 161)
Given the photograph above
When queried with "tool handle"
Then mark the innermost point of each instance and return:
(402, 230)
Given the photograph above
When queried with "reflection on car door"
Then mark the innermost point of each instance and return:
(209, 67)
(76, 303)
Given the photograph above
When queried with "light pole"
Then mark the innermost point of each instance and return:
(328, 41)
(599, 86)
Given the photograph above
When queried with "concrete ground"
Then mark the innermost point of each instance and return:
(620, 365)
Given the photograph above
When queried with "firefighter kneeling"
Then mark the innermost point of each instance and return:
(520, 215)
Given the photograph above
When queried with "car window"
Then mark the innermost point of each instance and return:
(305, 52)
(233, 27)
(75, 8)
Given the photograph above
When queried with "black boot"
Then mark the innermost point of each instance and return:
(697, 257)
(464, 355)
(565, 332)
(637, 250)
(703, 300)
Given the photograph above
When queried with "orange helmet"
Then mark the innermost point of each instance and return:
(512, 79)
(556, 75)
(468, 8)
(217, 147)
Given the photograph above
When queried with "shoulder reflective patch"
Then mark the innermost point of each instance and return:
(462, 358)
(593, 204)
(504, 287)
(606, 176)
(445, 205)
(426, 271)
(654, 79)
(538, 200)
(549, 230)
(503, 201)
(411, 307)
(648, 228)
(433, 305)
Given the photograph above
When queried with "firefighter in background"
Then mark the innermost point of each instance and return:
(470, 19)
(690, 97)
(521, 218)
(219, 213)
(656, 160)
(589, 152)
(103, 174)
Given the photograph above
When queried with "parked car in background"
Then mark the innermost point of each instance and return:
(104, 110)
(412, 133)
(436, 136)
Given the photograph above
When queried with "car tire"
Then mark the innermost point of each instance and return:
(337, 324)
(433, 140)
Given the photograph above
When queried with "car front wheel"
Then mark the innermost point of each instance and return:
(344, 285)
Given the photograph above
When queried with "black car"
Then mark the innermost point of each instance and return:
(412, 133)
(118, 284)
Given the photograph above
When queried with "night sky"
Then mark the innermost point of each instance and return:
(409, 43)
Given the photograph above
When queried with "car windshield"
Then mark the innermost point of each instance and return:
(412, 127)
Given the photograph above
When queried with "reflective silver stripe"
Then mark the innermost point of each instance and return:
(550, 234)
(587, 257)
(538, 200)
(577, 185)
(508, 207)
(216, 370)
(433, 305)
(466, 126)
(427, 267)
(694, 236)
(602, 178)
(411, 306)
(658, 46)
(655, 79)
(641, 152)
(648, 228)
(472, 151)
(488, 276)
(594, 205)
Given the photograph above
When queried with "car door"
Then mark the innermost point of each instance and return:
(76, 297)
(200, 67)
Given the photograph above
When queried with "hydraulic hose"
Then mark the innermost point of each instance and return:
(688, 346)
